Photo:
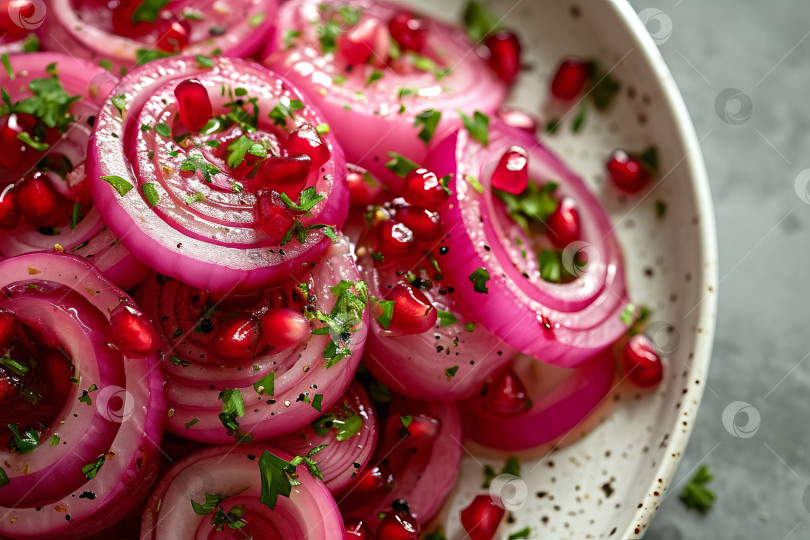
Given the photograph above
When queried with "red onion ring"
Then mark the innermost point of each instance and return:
(300, 371)
(84, 29)
(309, 513)
(470, 85)
(48, 494)
(215, 244)
(562, 324)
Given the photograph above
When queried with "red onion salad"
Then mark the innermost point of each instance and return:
(135, 32)
(228, 492)
(87, 417)
(360, 67)
(558, 321)
(280, 389)
(205, 207)
(45, 200)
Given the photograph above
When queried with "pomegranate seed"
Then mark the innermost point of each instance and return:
(234, 342)
(482, 518)
(199, 298)
(285, 327)
(627, 172)
(361, 193)
(356, 529)
(423, 188)
(40, 203)
(122, 20)
(9, 210)
(641, 363)
(518, 119)
(8, 327)
(356, 46)
(395, 239)
(193, 104)
(174, 37)
(570, 79)
(413, 312)
(425, 225)
(374, 480)
(512, 172)
(507, 395)
(272, 215)
(504, 54)
(283, 174)
(306, 140)
(132, 331)
(398, 525)
(14, 150)
(563, 224)
(8, 391)
(422, 429)
(408, 31)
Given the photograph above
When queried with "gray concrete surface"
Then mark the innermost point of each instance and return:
(756, 151)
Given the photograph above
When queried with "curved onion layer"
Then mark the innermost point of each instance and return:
(384, 95)
(115, 431)
(347, 452)
(423, 460)
(87, 235)
(561, 399)
(85, 28)
(195, 377)
(309, 513)
(204, 232)
(452, 359)
(560, 323)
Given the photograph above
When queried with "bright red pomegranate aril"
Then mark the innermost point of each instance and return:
(283, 174)
(14, 150)
(641, 363)
(174, 37)
(235, 340)
(507, 395)
(39, 202)
(422, 429)
(285, 327)
(395, 240)
(360, 192)
(8, 327)
(306, 140)
(273, 216)
(563, 224)
(408, 31)
(356, 46)
(9, 210)
(122, 20)
(132, 331)
(570, 78)
(504, 54)
(423, 188)
(356, 529)
(627, 172)
(193, 104)
(413, 312)
(8, 391)
(518, 119)
(199, 298)
(398, 525)
(482, 518)
(512, 172)
(426, 226)
(374, 480)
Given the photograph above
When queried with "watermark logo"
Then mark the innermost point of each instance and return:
(28, 15)
(731, 416)
(657, 23)
(579, 258)
(508, 491)
(800, 186)
(733, 106)
(115, 403)
(665, 338)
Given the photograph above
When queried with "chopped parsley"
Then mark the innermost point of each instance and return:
(604, 88)
(479, 279)
(54, 440)
(478, 21)
(628, 314)
(289, 36)
(309, 198)
(695, 494)
(144, 56)
(278, 476)
(204, 61)
(374, 76)
(120, 103)
(429, 121)
(151, 194)
(387, 312)
(163, 130)
(256, 20)
(512, 466)
(196, 162)
(299, 232)
(316, 402)
(242, 146)
(4, 481)
(192, 422)
(205, 508)
(649, 158)
(400, 165)
(347, 423)
(49, 103)
(343, 320)
(195, 198)
(284, 109)
(24, 442)
(522, 534)
(234, 519)
(428, 64)
(233, 406)
(446, 318)
(91, 469)
(579, 120)
(550, 265)
(535, 204)
(451, 372)
(121, 186)
(148, 10)
(477, 126)
(322, 129)
(266, 385)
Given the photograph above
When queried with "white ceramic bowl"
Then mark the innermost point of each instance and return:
(609, 483)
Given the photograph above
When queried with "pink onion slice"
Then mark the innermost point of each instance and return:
(88, 237)
(233, 473)
(49, 494)
(347, 454)
(384, 97)
(213, 243)
(560, 323)
(236, 28)
(195, 378)
(561, 399)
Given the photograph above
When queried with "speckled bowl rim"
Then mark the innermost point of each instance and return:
(708, 281)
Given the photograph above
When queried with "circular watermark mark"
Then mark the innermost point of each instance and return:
(195, 483)
(806, 498)
(28, 14)
(731, 414)
(657, 23)
(664, 336)
(733, 106)
(508, 491)
(115, 403)
(101, 86)
(579, 258)
(800, 185)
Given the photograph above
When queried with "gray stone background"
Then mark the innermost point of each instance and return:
(755, 158)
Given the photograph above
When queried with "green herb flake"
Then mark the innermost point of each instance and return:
(522, 534)
(144, 56)
(7, 64)
(120, 103)
(289, 36)
(446, 318)
(322, 129)
(33, 142)
(205, 508)
(695, 494)
(479, 279)
(628, 314)
(195, 198)
(31, 44)
(406, 420)
(316, 402)
(163, 130)
(256, 20)
(579, 120)
(91, 469)
(339, 79)
(400, 165)
(274, 477)
(478, 21)
(121, 186)
(604, 88)
(473, 181)
(148, 10)
(54, 440)
(550, 265)
(192, 422)
(373, 76)
(649, 159)
(469, 327)
(4, 481)
(552, 126)
(24, 442)
(429, 121)
(266, 385)
(282, 111)
(387, 312)
(660, 208)
(451, 372)
(477, 126)
(197, 162)
(308, 199)
(76, 215)
(204, 61)
(150, 193)
(177, 361)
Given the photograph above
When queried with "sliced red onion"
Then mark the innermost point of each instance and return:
(233, 474)
(561, 399)
(559, 323)
(384, 95)
(197, 228)
(84, 28)
(195, 378)
(88, 237)
(346, 455)
(99, 456)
